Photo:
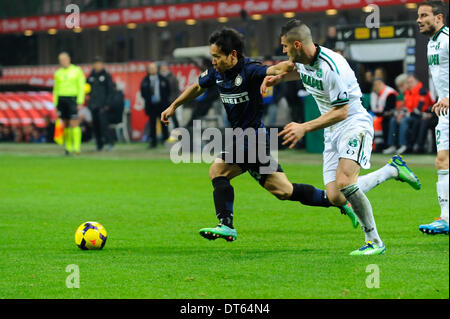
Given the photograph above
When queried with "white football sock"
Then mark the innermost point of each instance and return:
(363, 210)
(371, 180)
(442, 192)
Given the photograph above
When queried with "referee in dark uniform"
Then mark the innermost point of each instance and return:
(102, 88)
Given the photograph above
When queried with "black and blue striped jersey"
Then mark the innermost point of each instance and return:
(239, 90)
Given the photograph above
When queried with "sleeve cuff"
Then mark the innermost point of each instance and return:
(340, 102)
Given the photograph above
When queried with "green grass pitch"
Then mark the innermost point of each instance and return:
(153, 209)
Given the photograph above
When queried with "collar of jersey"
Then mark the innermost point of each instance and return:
(315, 60)
(235, 69)
(439, 32)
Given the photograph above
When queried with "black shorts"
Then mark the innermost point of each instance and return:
(246, 154)
(67, 107)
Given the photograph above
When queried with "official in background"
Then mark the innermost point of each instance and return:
(155, 91)
(174, 87)
(99, 103)
(68, 97)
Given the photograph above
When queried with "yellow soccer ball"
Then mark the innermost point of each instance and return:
(90, 235)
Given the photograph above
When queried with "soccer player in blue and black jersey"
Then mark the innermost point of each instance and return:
(238, 80)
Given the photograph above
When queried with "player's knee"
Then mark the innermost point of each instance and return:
(343, 181)
(282, 193)
(336, 198)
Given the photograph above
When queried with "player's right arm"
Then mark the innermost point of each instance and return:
(192, 92)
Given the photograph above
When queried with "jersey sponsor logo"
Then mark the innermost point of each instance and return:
(235, 98)
(433, 59)
(312, 82)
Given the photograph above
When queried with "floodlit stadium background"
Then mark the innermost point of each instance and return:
(130, 33)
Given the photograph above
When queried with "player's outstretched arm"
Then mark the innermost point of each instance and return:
(189, 94)
(272, 80)
(293, 132)
(280, 68)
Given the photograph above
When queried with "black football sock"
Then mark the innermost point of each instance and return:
(309, 195)
(223, 200)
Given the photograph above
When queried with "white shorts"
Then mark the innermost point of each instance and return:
(353, 141)
(442, 133)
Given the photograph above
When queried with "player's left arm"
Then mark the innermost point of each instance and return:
(441, 107)
(293, 131)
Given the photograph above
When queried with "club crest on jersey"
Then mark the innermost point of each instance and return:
(319, 73)
(238, 80)
(353, 143)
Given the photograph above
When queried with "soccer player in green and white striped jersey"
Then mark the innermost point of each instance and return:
(328, 77)
(431, 17)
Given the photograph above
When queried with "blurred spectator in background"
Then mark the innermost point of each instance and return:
(202, 104)
(271, 99)
(295, 103)
(418, 101)
(380, 73)
(49, 130)
(155, 90)
(36, 135)
(117, 106)
(407, 117)
(355, 66)
(367, 82)
(99, 103)
(174, 88)
(383, 103)
(86, 125)
(6, 133)
(331, 39)
(17, 134)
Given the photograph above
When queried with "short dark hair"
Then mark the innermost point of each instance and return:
(228, 39)
(296, 30)
(97, 59)
(291, 24)
(437, 7)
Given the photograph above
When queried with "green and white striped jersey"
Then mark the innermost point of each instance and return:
(331, 81)
(437, 52)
